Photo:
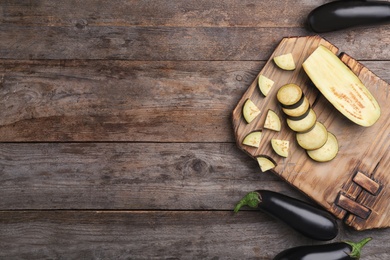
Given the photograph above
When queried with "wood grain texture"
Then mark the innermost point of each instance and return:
(120, 100)
(149, 30)
(128, 176)
(375, 160)
(187, 13)
(157, 235)
(171, 43)
(360, 149)
(83, 100)
(116, 139)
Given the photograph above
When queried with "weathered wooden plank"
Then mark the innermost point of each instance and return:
(174, 43)
(158, 235)
(148, 104)
(78, 100)
(128, 176)
(120, 101)
(185, 13)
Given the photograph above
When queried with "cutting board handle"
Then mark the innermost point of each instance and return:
(347, 201)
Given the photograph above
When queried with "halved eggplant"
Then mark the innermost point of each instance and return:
(285, 61)
(280, 147)
(313, 139)
(272, 121)
(265, 84)
(289, 95)
(304, 124)
(341, 87)
(327, 152)
(253, 139)
(265, 163)
(250, 111)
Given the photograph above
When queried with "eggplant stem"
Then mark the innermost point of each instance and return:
(357, 247)
(252, 199)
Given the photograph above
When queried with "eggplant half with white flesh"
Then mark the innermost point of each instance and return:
(341, 87)
(303, 217)
(338, 15)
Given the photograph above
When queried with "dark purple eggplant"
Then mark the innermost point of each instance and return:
(303, 217)
(333, 251)
(338, 15)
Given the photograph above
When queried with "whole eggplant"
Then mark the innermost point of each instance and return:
(333, 251)
(343, 14)
(305, 218)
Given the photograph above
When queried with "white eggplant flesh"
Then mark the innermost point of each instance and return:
(341, 87)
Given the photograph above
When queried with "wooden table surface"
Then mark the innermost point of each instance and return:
(116, 140)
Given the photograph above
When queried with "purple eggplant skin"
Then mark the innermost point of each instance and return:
(333, 251)
(339, 15)
(303, 217)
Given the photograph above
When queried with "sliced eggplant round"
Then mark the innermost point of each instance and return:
(296, 104)
(298, 111)
(289, 95)
(313, 139)
(304, 124)
(327, 152)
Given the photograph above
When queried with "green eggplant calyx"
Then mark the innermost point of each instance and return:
(357, 247)
(252, 199)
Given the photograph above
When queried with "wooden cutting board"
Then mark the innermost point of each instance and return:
(355, 185)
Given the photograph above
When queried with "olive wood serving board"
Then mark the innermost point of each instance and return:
(354, 186)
